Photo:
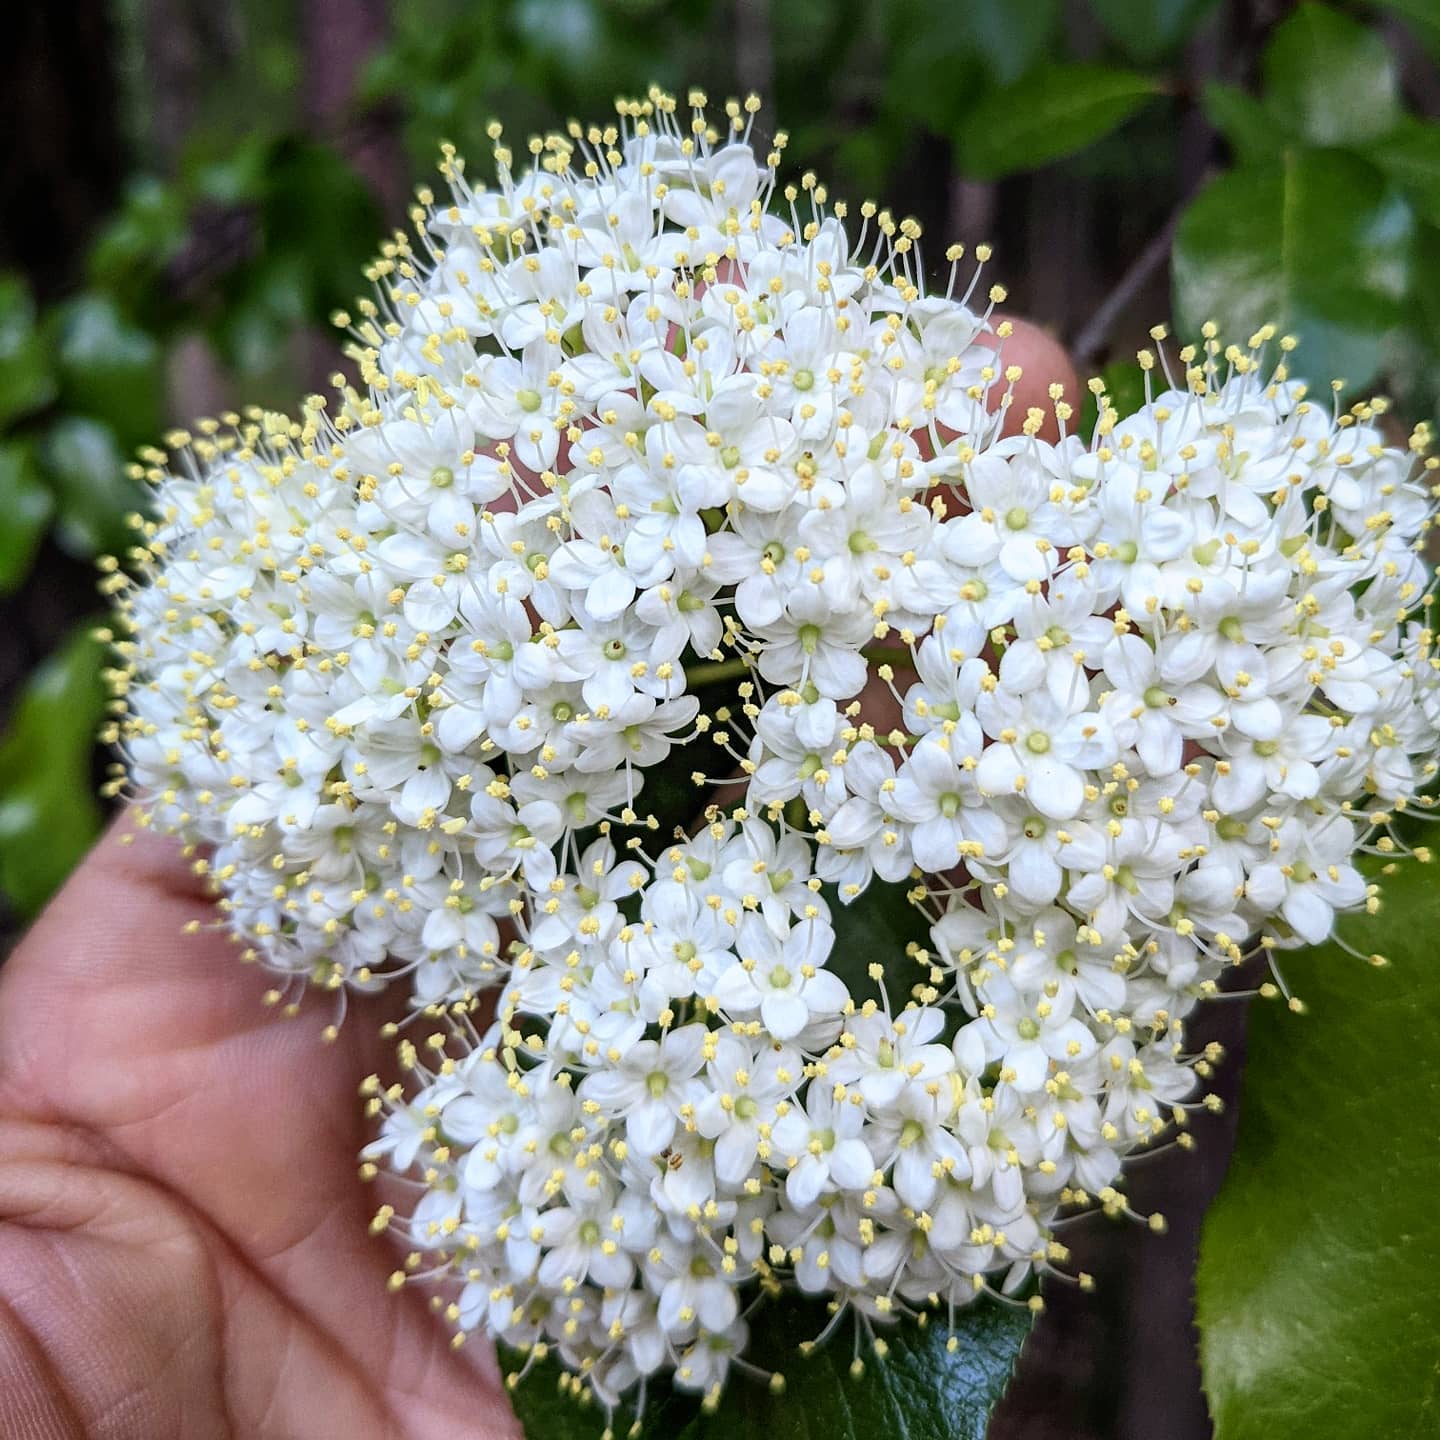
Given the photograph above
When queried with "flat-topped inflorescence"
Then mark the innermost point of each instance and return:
(639, 427)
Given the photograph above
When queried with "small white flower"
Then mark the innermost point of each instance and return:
(821, 1144)
(649, 1086)
(781, 977)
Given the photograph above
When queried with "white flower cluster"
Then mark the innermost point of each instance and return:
(638, 428)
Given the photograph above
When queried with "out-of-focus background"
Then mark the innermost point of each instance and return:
(189, 188)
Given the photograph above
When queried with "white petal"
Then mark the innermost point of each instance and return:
(851, 1165)
(785, 1015)
(805, 1182)
(650, 1126)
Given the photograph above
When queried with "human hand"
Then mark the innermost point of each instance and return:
(183, 1243)
(184, 1248)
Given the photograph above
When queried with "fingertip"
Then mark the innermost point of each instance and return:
(133, 851)
(1043, 363)
(135, 884)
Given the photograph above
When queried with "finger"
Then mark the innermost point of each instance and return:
(131, 940)
(127, 1014)
(134, 882)
(1044, 364)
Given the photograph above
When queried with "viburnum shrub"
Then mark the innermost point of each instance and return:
(660, 478)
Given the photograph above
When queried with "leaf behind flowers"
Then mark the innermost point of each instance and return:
(1318, 1305)
(923, 1390)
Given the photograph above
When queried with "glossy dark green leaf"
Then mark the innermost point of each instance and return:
(24, 509)
(1053, 111)
(1331, 77)
(1270, 243)
(109, 367)
(1250, 130)
(874, 929)
(1410, 156)
(85, 467)
(922, 1390)
(1150, 30)
(48, 812)
(26, 382)
(1318, 1305)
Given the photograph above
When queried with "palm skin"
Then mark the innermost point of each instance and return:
(184, 1245)
(183, 1242)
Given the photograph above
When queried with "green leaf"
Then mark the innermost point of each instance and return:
(24, 508)
(236, 175)
(48, 813)
(1318, 1308)
(1422, 17)
(1250, 130)
(1270, 243)
(86, 469)
(1426, 316)
(1125, 388)
(1331, 77)
(319, 211)
(25, 379)
(1410, 156)
(1008, 36)
(1150, 30)
(108, 367)
(267, 305)
(146, 233)
(874, 929)
(1054, 111)
(921, 1391)
(936, 67)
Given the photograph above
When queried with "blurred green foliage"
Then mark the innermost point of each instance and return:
(1326, 223)
(1291, 150)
